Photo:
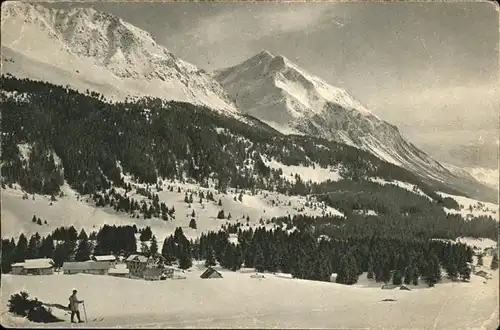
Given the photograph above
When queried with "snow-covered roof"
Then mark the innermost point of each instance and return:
(38, 263)
(137, 257)
(18, 264)
(119, 271)
(105, 258)
(85, 265)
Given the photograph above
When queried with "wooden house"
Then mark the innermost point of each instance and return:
(17, 268)
(86, 267)
(44, 266)
(211, 273)
(152, 273)
(137, 264)
(119, 272)
(110, 259)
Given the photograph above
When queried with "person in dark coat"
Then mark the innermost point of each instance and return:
(73, 306)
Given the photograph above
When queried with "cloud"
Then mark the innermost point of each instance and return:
(254, 23)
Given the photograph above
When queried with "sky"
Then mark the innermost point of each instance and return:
(429, 68)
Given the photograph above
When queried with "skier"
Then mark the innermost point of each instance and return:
(73, 305)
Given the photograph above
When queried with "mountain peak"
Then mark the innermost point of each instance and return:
(100, 52)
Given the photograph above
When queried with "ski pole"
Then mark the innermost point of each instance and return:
(85, 312)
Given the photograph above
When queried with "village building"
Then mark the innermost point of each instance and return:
(119, 272)
(17, 268)
(483, 274)
(152, 273)
(404, 287)
(44, 266)
(168, 272)
(86, 267)
(211, 273)
(333, 278)
(110, 259)
(137, 264)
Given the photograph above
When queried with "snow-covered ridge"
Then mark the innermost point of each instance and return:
(278, 92)
(87, 49)
(472, 208)
(314, 174)
(404, 185)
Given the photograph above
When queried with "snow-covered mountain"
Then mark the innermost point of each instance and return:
(488, 176)
(278, 92)
(87, 49)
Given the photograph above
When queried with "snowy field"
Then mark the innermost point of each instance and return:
(472, 207)
(68, 210)
(239, 301)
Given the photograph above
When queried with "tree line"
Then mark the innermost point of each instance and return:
(87, 142)
(301, 253)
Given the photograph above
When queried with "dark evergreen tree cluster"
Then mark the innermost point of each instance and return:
(93, 139)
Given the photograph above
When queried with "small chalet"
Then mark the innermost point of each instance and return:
(86, 267)
(119, 271)
(211, 273)
(110, 259)
(34, 267)
(333, 278)
(17, 268)
(136, 264)
(483, 274)
(152, 273)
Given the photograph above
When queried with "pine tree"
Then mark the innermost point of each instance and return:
(32, 251)
(83, 235)
(8, 254)
(33, 219)
(464, 271)
(228, 257)
(258, 262)
(220, 202)
(21, 249)
(193, 214)
(397, 277)
(167, 250)
(210, 259)
(192, 224)
(47, 247)
(432, 273)
(185, 258)
(370, 274)
(238, 258)
(153, 248)
(409, 273)
(83, 251)
(144, 249)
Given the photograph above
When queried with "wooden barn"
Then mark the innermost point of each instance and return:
(152, 273)
(110, 259)
(17, 268)
(211, 273)
(86, 267)
(44, 266)
(137, 264)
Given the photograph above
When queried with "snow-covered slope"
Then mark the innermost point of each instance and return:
(81, 212)
(488, 176)
(92, 50)
(239, 301)
(291, 100)
(473, 208)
